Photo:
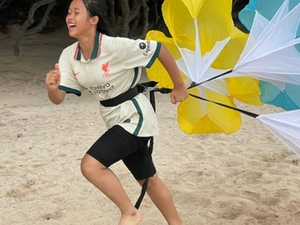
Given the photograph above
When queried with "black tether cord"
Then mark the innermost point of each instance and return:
(227, 106)
(152, 84)
(215, 77)
(218, 103)
(145, 184)
(141, 88)
(168, 90)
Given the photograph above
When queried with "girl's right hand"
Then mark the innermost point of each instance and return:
(52, 80)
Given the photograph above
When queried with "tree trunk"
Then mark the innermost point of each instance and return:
(145, 21)
(111, 4)
(125, 17)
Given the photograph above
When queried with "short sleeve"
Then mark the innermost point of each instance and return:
(68, 82)
(134, 53)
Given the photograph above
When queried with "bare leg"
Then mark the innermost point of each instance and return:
(161, 197)
(107, 182)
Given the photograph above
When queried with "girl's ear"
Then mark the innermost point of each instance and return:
(94, 20)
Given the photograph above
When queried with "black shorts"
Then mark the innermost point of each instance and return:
(118, 144)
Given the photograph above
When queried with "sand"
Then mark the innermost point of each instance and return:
(248, 177)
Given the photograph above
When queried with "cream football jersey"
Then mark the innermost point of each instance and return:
(115, 66)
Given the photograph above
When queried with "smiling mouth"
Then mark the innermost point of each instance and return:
(71, 26)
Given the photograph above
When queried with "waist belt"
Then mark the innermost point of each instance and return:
(128, 95)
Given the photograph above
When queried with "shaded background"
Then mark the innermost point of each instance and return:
(16, 12)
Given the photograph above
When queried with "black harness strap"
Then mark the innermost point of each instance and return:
(128, 95)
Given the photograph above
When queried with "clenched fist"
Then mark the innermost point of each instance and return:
(52, 80)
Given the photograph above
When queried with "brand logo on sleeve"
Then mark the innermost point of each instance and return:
(145, 46)
(142, 45)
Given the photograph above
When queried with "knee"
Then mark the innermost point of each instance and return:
(89, 165)
(152, 181)
(85, 167)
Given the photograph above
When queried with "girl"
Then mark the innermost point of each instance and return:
(110, 67)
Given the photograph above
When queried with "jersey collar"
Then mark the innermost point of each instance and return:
(96, 49)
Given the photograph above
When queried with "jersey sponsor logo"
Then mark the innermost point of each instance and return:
(105, 69)
(102, 89)
(145, 46)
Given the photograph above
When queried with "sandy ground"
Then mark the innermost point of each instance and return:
(248, 177)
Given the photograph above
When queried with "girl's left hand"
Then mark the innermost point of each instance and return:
(179, 93)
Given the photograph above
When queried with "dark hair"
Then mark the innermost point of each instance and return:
(99, 8)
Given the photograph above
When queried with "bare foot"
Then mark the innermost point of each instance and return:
(131, 219)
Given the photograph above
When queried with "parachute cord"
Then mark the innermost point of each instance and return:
(215, 77)
(168, 90)
(254, 115)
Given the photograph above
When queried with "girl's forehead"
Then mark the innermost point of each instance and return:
(77, 4)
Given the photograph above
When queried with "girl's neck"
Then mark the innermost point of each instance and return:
(86, 44)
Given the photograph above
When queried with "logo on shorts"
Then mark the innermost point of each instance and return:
(127, 121)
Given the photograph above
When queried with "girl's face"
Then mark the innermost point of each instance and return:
(78, 20)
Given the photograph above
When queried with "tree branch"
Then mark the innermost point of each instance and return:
(2, 2)
(23, 30)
